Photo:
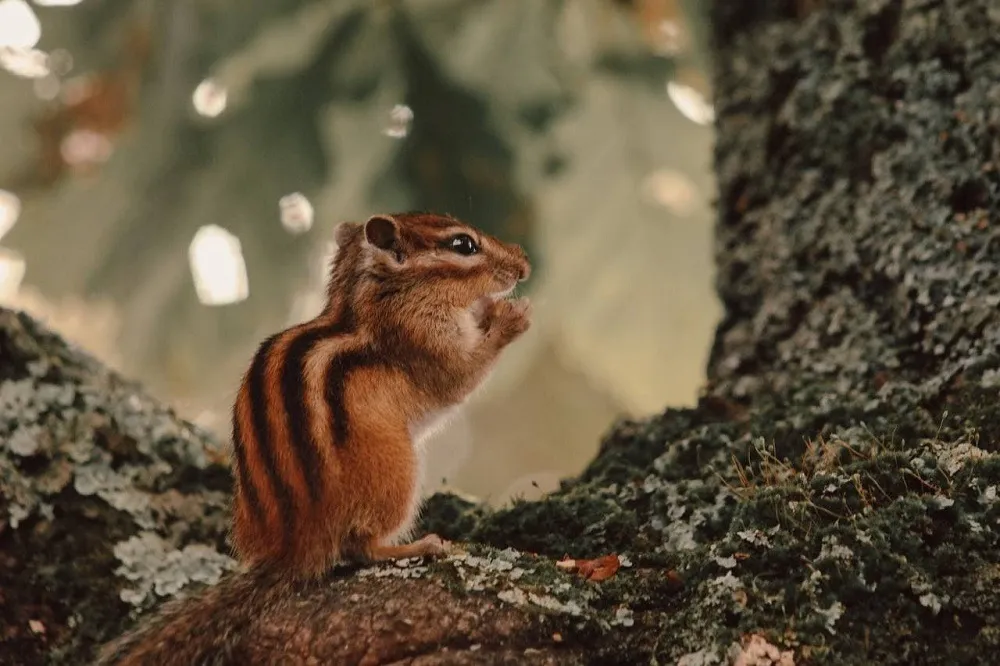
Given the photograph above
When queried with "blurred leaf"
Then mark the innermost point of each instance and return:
(231, 172)
(454, 158)
(607, 238)
(503, 50)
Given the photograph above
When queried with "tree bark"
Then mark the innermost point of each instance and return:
(834, 497)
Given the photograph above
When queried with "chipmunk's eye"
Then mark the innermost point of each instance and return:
(463, 244)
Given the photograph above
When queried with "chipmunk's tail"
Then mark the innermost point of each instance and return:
(209, 628)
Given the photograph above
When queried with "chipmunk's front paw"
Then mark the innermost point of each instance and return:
(512, 317)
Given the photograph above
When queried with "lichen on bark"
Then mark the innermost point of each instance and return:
(834, 498)
(108, 501)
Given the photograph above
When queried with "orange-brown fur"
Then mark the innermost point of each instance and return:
(325, 418)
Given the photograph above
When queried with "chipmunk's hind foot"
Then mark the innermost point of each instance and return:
(430, 545)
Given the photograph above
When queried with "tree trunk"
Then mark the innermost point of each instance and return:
(834, 498)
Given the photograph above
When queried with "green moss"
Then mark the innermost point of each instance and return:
(812, 549)
(575, 523)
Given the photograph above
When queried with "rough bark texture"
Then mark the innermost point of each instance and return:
(835, 498)
(358, 617)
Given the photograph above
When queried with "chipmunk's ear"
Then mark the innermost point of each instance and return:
(382, 232)
(344, 232)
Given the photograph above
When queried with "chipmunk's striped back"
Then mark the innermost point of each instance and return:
(289, 416)
(277, 442)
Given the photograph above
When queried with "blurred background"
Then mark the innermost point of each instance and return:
(170, 173)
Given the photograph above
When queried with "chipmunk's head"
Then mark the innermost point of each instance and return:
(422, 262)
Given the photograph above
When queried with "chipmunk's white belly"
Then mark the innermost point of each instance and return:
(420, 432)
(431, 425)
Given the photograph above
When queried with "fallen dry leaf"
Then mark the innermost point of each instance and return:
(596, 570)
(36, 627)
(674, 578)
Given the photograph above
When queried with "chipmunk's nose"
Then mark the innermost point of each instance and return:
(523, 265)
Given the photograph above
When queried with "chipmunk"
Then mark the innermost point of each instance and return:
(328, 418)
